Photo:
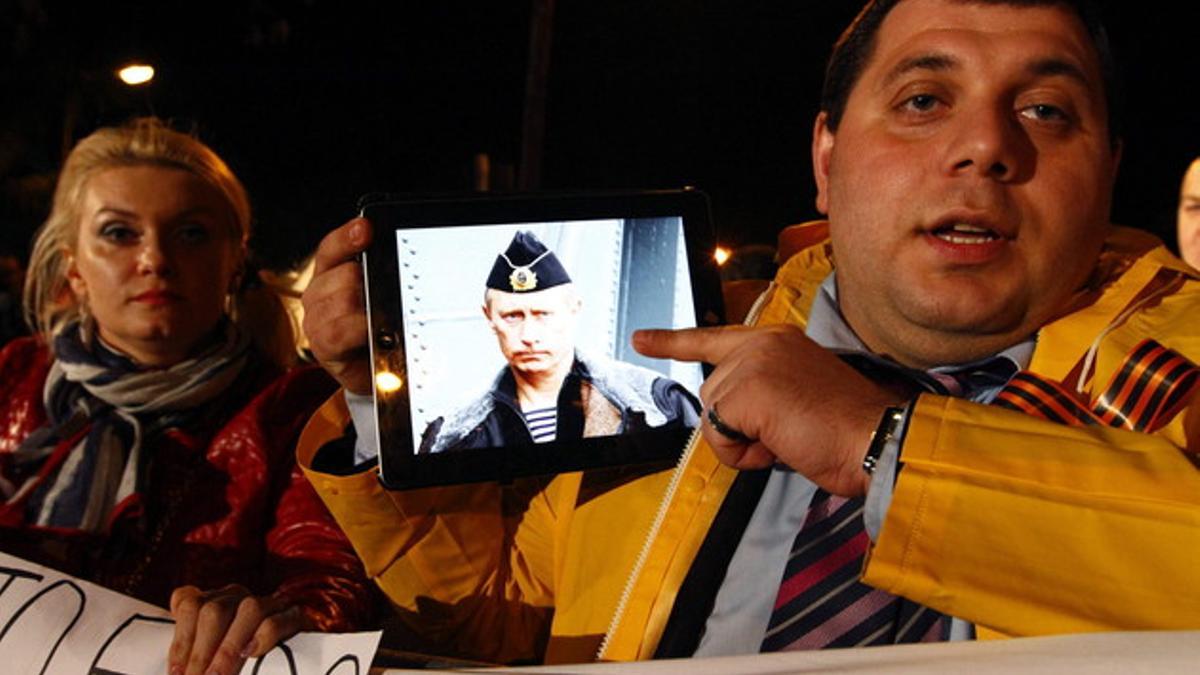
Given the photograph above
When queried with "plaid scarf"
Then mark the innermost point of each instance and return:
(88, 462)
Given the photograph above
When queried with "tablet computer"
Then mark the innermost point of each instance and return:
(500, 331)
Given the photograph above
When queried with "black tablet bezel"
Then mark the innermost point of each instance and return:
(389, 213)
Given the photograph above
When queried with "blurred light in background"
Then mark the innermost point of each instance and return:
(721, 255)
(136, 74)
(388, 382)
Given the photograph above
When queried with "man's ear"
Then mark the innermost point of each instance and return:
(487, 316)
(822, 150)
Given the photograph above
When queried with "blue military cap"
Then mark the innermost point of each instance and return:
(526, 266)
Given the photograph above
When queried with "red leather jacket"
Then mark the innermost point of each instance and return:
(224, 502)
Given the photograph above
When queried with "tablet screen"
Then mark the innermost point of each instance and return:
(501, 331)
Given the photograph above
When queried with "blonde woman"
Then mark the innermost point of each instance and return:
(146, 432)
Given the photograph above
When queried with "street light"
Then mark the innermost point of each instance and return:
(136, 74)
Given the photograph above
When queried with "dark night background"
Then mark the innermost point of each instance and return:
(314, 102)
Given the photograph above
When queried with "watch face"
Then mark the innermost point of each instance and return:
(889, 425)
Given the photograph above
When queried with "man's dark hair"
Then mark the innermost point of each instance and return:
(854, 48)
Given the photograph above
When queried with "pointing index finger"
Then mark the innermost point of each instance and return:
(710, 345)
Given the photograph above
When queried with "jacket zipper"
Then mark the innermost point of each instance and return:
(668, 497)
(659, 517)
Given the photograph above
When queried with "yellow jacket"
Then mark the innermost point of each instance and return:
(1020, 525)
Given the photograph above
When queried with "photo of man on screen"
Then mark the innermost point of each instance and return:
(551, 390)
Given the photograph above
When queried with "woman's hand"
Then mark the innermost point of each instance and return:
(216, 631)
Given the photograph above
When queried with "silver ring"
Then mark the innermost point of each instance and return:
(724, 429)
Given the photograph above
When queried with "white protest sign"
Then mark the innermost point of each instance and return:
(51, 623)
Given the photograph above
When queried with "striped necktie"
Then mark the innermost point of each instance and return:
(821, 603)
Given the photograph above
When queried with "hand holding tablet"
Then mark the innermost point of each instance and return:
(335, 318)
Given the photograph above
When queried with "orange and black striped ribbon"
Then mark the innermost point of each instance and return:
(1150, 388)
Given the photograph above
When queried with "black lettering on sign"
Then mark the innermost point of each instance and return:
(34, 632)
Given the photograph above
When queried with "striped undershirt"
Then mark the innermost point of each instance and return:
(542, 423)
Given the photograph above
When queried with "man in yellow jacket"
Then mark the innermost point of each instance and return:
(964, 156)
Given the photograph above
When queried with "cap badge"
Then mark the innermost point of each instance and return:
(523, 278)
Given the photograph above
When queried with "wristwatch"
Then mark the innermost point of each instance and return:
(888, 427)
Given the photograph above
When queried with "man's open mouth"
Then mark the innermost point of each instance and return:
(965, 233)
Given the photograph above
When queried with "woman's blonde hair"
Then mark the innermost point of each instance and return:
(49, 303)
